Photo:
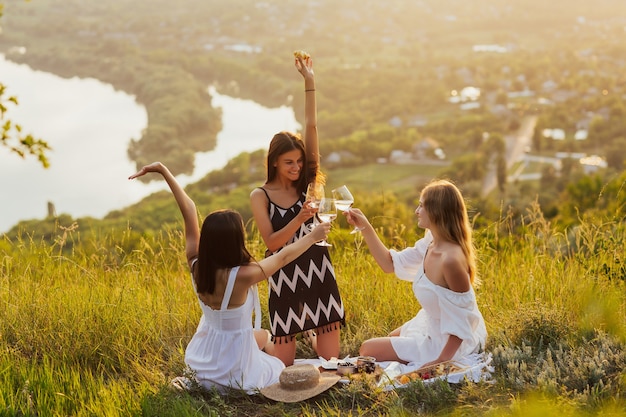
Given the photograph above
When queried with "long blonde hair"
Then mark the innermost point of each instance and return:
(446, 210)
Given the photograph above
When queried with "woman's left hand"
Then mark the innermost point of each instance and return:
(306, 212)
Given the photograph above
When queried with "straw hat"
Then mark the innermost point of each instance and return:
(300, 382)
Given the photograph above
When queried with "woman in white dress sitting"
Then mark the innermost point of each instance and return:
(442, 267)
(226, 351)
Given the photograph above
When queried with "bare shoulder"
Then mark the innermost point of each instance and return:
(455, 268)
(453, 251)
(258, 192)
(250, 274)
(259, 198)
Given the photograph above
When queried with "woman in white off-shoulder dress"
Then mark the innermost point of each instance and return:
(442, 268)
(226, 351)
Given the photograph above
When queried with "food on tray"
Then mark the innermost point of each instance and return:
(346, 368)
(442, 369)
(414, 376)
(361, 375)
(301, 54)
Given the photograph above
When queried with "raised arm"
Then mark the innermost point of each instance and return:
(185, 204)
(305, 67)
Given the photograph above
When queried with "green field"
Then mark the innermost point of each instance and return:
(377, 178)
(101, 330)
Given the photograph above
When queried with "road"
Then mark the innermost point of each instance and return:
(515, 146)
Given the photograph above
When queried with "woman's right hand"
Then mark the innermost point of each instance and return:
(153, 167)
(320, 231)
(356, 218)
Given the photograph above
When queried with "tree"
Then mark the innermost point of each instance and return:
(11, 133)
(615, 154)
(501, 171)
(12, 137)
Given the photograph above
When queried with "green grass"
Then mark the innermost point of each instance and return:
(100, 330)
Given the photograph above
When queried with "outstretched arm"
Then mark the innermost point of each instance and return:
(185, 204)
(377, 248)
(257, 272)
(289, 253)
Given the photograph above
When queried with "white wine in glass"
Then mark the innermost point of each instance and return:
(327, 212)
(344, 198)
(344, 201)
(314, 194)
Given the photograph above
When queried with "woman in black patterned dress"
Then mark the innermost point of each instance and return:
(303, 295)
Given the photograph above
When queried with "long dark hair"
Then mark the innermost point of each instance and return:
(284, 142)
(222, 245)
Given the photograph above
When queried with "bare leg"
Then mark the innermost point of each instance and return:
(328, 343)
(285, 351)
(395, 333)
(263, 339)
(380, 348)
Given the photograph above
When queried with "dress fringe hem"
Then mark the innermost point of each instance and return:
(336, 325)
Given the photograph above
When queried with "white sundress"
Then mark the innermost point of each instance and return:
(223, 352)
(444, 312)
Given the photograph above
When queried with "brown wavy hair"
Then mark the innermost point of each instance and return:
(446, 210)
(284, 142)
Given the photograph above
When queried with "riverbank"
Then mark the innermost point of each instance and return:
(89, 125)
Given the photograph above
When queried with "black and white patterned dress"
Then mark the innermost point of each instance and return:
(303, 294)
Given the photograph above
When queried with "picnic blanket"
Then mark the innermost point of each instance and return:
(475, 367)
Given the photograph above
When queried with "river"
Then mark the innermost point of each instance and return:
(89, 125)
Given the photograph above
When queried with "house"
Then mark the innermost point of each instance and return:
(400, 157)
(426, 147)
(333, 158)
(490, 48)
(581, 134)
(338, 157)
(554, 134)
(592, 163)
(418, 121)
(549, 85)
(466, 94)
(469, 106)
(395, 121)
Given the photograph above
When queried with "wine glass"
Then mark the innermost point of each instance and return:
(344, 201)
(327, 212)
(314, 194)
